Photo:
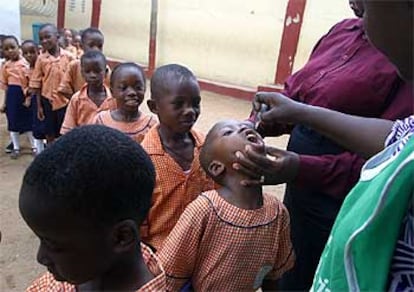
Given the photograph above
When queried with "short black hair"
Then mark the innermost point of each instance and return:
(95, 172)
(94, 55)
(160, 81)
(90, 30)
(30, 42)
(43, 26)
(11, 37)
(121, 66)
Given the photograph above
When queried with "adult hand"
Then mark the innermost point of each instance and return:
(3, 109)
(282, 109)
(40, 113)
(277, 166)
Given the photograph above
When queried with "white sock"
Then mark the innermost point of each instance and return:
(14, 136)
(40, 146)
(31, 139)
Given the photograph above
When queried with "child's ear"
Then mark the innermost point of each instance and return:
(216, 168)
(152, 105)
(124, 236)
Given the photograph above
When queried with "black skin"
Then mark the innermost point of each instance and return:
(93, 71)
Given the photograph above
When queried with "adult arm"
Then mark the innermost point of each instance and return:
(365, 136)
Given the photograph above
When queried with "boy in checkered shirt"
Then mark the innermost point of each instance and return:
(85, 202)
(234, 238)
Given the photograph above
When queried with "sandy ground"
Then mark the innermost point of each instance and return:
(18, 266)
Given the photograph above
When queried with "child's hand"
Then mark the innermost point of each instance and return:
(27, 101)
(3, 109)
(40, 113)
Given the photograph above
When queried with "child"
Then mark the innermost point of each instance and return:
(87, 222)
(77, 43)
(92, 39)
(174, 148)
(46, 77)
(30, 53)
(93, 97)
(14, 82)
(68, 41)
(128, 88)
(233, 238)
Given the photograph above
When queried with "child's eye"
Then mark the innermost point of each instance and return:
(227, 133)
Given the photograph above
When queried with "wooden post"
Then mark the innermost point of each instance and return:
(290, 38)
(153, 37)
(96, 13)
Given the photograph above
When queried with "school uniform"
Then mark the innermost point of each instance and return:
(14, 82)
(219, 247)
(82, 110)
(136, 130)
(47, 75)
(73, 81)
(174, 187)
(38, 126)
(48, 283)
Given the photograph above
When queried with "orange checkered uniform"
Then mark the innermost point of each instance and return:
(136, 130)
(73, 80)
(82, 110)
(220, 247)
(47, 282)
(14, 73)
(174, 189)
(47, 75)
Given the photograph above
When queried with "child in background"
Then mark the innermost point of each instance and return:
(234, 238)
(46, 77)
(14, 82)
(9, 148)
(68, 40)
(92, 39)
(174, 148)
(93, 97)
(77, 43)
(128, 88)
(30, 53)
(87, 221)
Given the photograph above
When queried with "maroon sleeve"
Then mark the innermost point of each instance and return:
(334, 175)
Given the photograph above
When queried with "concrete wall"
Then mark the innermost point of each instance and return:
(78, 14)
(33, 11)
(231, 41)
(125, 24)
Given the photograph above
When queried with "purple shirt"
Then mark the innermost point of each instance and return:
(347, 74)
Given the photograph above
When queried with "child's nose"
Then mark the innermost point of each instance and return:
(42, 256)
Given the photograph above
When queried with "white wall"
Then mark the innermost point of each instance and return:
(10, 17)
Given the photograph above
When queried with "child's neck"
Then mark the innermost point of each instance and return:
(180, 146)
(173, 138)
(233, 192)
(128, 274)
(96, 93)
(54, 51)
(122, 115)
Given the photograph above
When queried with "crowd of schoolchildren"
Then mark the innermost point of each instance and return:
(163, 211)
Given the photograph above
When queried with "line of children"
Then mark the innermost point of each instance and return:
(92, 39)
(234, 238)
(87, 221)
(174, 148)
(46, 77)
(13, 80)
(183, 191)
(93, 97)
(128, 88)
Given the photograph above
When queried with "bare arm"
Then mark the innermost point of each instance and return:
(365, 136)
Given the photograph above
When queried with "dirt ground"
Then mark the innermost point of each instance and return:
(18, 245)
